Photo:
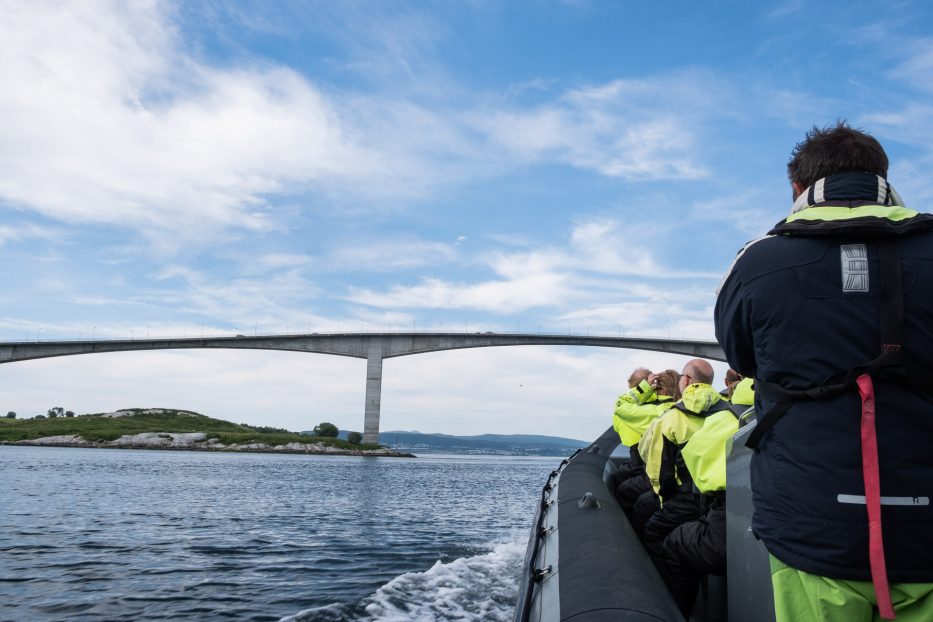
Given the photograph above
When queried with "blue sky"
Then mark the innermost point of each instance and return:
(210, 168)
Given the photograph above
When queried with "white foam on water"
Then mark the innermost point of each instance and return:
(478, 588)
(482, 587)
(327, 612)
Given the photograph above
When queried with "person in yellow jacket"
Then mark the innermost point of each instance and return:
(698, 547)
(634, 412)
(661, 446)
(643, 403)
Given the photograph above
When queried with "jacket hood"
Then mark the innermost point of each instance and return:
(700, 397)
(744, 393)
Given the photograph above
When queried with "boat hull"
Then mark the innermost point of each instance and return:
(585, 562)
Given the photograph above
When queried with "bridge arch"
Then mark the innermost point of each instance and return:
(374, 347)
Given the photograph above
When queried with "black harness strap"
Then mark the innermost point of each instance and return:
(719, 406)
(672, 461)
(785, 398)
(892, 299)
(890, 363)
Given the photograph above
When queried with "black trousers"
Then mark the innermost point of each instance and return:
(693, 550)
(634, 465)
(645, 507)
(679, 509)
(630, 489)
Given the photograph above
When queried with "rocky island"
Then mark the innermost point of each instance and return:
(162, 428)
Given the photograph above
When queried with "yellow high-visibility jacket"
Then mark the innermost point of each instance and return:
(661, 444)
(705, 454)
(744, 394)
(636, 409)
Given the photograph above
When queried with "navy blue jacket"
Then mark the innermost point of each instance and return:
(789, 312)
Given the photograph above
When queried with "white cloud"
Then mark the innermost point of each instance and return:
(611, 247)
(913, 182)
(503, 296)
(394, 254)
(273, 302)
(286, 389)
(529, 389)
(599, 284)
(108, 119)
(750, 211)
(18, 233)
(521, 390)
(632, 129)
(785, 9)
(643, 319)
(273, 261)
(916, 66)
(105, 120)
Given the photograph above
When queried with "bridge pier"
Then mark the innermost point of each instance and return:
(373, 392)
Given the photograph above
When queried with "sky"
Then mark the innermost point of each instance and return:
(207, 168)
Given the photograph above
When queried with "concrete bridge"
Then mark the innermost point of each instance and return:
(374, 347)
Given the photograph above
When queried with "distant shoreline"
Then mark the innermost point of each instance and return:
(325, 450)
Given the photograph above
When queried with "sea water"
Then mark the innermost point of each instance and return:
(95, 534)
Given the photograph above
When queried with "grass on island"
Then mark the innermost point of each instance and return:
(98, 427)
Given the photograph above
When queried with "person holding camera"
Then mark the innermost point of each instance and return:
(634, 412)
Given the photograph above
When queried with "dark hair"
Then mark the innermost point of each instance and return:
(835, 149)
(667, 383)
(732, 377)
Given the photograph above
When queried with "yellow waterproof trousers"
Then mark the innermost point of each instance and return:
(804, 597)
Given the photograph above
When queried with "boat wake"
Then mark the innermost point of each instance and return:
(481, 587)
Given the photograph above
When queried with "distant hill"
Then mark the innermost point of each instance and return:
(497, 444)
(102, 427)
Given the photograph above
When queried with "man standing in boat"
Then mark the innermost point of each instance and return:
(832, 314)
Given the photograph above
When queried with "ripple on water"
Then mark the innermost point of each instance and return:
(175, 536)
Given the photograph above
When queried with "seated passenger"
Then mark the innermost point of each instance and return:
(732, 378)
(698, 547)
(640, 373)
(633, 414)
(661, 449)
(637, 377)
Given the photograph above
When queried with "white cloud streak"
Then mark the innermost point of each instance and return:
(632, 129)
(22, 232)
(573, 284)
(108, 120)
(394, 254)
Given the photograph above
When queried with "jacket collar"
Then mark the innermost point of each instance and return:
(863, 188)
(853, 203)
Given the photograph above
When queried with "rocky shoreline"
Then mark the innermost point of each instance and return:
(199, 441)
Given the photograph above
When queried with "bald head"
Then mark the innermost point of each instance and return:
(699, 371)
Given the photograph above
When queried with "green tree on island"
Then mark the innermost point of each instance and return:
(56, 411)
(326, 429)
(11, 415)
(354, 438)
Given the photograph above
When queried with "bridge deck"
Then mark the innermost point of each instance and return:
(360, 345)
(374, 347)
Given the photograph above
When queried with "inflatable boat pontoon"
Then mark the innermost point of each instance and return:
(584, 562)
